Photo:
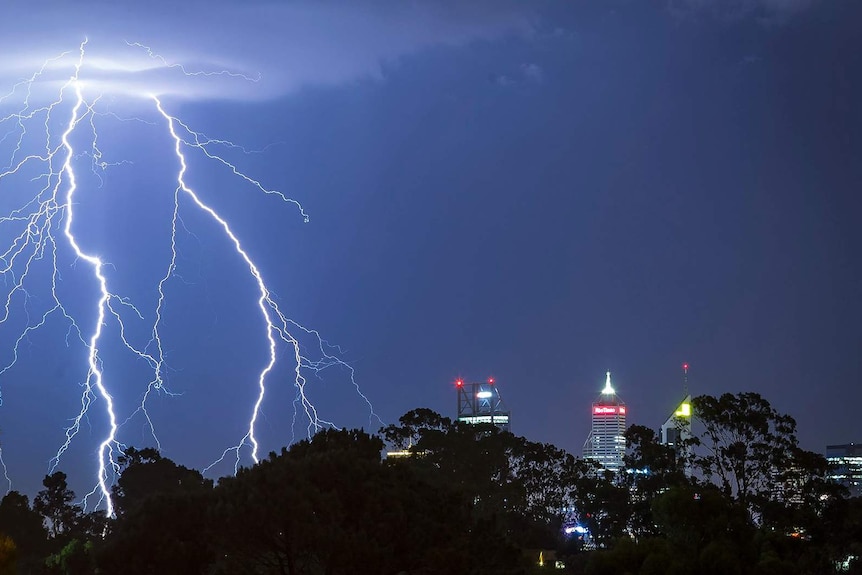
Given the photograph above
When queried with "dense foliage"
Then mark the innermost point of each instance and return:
(738, 497)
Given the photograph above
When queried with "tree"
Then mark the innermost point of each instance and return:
(476, 459)
(542, 471)
(651, 469)
(75, 558)
(626, 555)
(8, 555)
(602, 502)
(145, 473)
(802, 493)
(745, 442)
(166, 533)
(54, 503)
(703, 526)
(24, 526)
(415, 424)
(519, 486)
(330, 505)
(161, 524)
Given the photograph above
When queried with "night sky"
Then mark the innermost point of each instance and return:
(537, 192)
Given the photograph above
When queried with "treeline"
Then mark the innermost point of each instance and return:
(740, 497)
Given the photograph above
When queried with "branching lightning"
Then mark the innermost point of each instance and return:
(44, 227)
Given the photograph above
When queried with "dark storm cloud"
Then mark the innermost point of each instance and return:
(286, 45)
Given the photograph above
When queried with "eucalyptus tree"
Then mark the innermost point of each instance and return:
(743, 444)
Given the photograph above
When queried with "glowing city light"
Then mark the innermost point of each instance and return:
(605, 410)
(608, 390)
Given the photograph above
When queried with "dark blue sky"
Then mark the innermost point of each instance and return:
(536, 195)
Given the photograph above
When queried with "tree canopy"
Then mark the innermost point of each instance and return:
(739, 496)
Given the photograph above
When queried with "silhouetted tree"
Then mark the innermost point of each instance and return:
(145, 473)
(75, 558)
(705, 526)
(518, 485)
(54, 503)
(8, 555)
(651, 468)
(414, 425)
(330, 505)
(601, 501)
(161, 524)
(24, 526)
(744, 444)
(166, 533)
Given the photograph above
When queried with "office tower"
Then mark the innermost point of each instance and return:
(606, 443)
(846, 466)
(677, 428)
(482, 403)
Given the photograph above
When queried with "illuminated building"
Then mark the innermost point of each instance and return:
(481, 403)
(846, 466)
(606, 443)
(677, 428)
(787, 485)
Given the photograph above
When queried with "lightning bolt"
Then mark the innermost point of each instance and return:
(5, 472)
(48, 219)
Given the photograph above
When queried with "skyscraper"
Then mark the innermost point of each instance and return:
(606, 443)
(677, 428)
(481, 403)
(846, 462)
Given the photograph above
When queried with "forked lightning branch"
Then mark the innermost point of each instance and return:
(41, 240)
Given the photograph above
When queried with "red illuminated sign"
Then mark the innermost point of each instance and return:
(608, 410)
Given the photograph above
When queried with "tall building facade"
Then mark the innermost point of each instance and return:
(846, 462)
(482, 403)
(606, 443)
(677, 429)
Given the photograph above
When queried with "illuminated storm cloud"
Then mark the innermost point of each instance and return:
(284, 45)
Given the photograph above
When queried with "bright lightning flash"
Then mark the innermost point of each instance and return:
(43, 226)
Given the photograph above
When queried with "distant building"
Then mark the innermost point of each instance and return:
(846, 462)
(677, 428)
(403, 453)
(606, 443)
(482, 403)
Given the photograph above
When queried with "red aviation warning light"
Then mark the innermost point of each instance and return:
(479, 403)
